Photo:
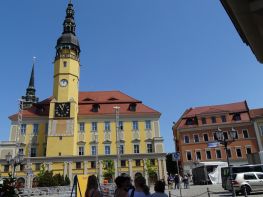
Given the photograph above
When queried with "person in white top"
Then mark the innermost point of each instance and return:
(159, 189)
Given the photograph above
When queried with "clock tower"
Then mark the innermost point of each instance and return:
(62, 129)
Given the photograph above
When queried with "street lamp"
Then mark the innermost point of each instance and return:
(221, 138)
(14, 161)
(117, 110)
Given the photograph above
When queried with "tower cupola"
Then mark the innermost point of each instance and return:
(68, 39)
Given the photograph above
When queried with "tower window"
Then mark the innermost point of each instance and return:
(65, 64)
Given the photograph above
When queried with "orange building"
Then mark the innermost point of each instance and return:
(197, 126)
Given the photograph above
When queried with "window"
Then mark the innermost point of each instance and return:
(135, 125)
(21, 151)
(213, 119)
(225, 135)
(33, 152)
(236, 117)
(238, 151)
(152, 162)
(107, 149)
(23, 129)
(46, 128)
(260, 176)
(206, 137)
(208, 154)
(95, 107)
(107, 126)
(248, 150)
(82, 127)
(186, 139)
(78, 165)
(223, 118)
(228, 151)
(203, 120)
(196, 138)
(215, 137)
(6, 168)
(37, 166)
(136, 148)
(35, 129)
(121, 151)
(44, 151)
(93, 150)
(138, 162)
(198, 155)
(81, 150)
(250, 176)
(245, 133)
(189, 121)
(132, 107)
(93, 164)
(94, 126)
(148, 125)
(189, 155)
(123, 163)
(22, 167)
(65, 64)
(218, 154)
(149, 148)
(121, 125)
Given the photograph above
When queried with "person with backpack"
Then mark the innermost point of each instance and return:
(141, 189)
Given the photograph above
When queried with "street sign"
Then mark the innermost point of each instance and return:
(212, 144)
(176, 156)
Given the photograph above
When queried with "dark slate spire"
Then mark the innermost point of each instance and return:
(68, 39)
(30, 96)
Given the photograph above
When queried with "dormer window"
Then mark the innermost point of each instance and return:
(189, 121)
(236, 117)
(112, 99)
(132, 107)
(95, 107)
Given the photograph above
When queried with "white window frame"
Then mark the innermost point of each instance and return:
(207, 137)
(148, 124)
(188, 151)
(198, 138)
(81, 151)
(138, 148)
(135, 125)
(121, 152)
(35, 128)
(239, 147)
(218, 149)
(81, 127)
(23, 129)
(105, 151)
(248, 146)
(198, 151)
(230, 152)
(107, 126)
(206, 153)
(92, 151)
(188, 139)
(94, 126)
(247, 133)
(32, 151)
(148, 149)
(121, 126)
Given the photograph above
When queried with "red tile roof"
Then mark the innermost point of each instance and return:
(228, 108)
(106, 100)
(256, 113)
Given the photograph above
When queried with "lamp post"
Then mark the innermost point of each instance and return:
(14, 161)
(220, 137)
(97, 154)
(117, 110)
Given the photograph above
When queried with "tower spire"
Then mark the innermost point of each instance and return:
(30, 96)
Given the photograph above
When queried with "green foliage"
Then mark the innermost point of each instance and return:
(151, 170)
(109, 170)
(46, 178)
(8, 188)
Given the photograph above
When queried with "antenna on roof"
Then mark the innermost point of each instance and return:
(34, 59)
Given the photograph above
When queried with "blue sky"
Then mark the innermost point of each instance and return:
(170, 54)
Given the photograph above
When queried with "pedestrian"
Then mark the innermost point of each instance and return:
(92, 187)
(159, 189)
(123, 184)
(141, 189)
(176, 181)
(185, 181)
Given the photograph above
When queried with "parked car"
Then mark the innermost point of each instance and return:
(246, 182)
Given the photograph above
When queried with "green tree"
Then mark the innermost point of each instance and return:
(151, 170)
(67, 181)
(109, 170)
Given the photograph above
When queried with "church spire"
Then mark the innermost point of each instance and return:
(30, 96)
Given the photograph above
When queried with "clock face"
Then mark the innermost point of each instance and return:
(62, 110)
(63, 82)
